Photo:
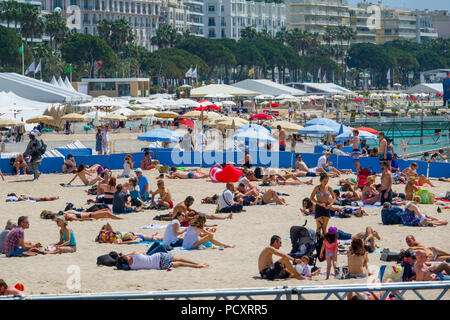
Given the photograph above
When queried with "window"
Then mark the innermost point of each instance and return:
(211, 22)
(223, 33)
(73, 2)
(212, 33)
(223, 23)
(211, 8)
(102, 86)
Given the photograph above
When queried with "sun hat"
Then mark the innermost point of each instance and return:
(138, 170)
(332, 230)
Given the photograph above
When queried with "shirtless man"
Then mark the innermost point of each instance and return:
(282, 269)
(433, 253)
(302, 170)
(356, 150)
(191, 174)
(382, 147)
(185, 207)
(411, 171)
(166, 198)
(386, 183)
(426, 271)
(281, 138)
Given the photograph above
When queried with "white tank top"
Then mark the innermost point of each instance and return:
(190, 237)
(143, 261)
(169, 235)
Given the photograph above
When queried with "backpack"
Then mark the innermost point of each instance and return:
(258, 173)
(109, 260)
(42, 148)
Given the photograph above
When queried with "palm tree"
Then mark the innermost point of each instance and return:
(165, 37)
(248, 33)
(31, 23)
(10, 11)
(56, 28)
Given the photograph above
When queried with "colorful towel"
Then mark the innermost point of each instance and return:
(371, 205)
(207, 245)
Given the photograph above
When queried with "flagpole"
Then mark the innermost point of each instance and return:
(40, 68)
(23, 62)
(70, 73)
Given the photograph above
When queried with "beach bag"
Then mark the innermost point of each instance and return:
(107, 236)
(426, 197)
(394, 273)
(392, 216)
(42, 148)
(258, 173)
(342, 273)
(389, 256)
(109, 260)
(92, 190)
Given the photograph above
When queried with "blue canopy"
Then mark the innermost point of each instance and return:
(163, 135)
(253, 127)
(363, 135)
(317, 129)
(254, 133)
(323, 122)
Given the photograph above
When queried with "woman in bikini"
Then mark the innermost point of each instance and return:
(357, 260)
(131, 237)
(421, 219)
(69, 165)
(411, 187)
(323, 197)
(13, 198)
(354, 193)
(370, 194)
(73, 215)
(108, 191)
(81, 173)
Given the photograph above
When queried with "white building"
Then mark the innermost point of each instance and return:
(226, 19)
(143, 15)
(174, 13)
(195, 16)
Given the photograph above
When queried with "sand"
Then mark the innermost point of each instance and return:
(230, 268)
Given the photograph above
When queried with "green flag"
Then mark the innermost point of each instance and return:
(69, 69)
(21, 49)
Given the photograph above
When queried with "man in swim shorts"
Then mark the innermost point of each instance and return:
(433, 253)
(356, 150)
(283, 268)
(175, 174)
(166, 200)
(382, 147)
(426, 271)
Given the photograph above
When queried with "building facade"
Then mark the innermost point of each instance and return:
(195, 17)
(441, 23)
(316, 15)
(226, 18)
(174, 13)
(143, 15)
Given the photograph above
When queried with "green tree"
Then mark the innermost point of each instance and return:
(117, 34)
(56, 28)
(9, 49)
(9, 11)
(86, 49)
(248, 33)
(166, 36)
(31, 23)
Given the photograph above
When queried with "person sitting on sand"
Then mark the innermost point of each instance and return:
(144, 186)
(15, 245)
(191, 174)
(227, 202)
(411, 187)
(67, 242)
(370, 194)
(157, 261)
(426, 271)
(72, 215)
(306, 269)
(411, 208)
(173, 236)
(189, 214)
(147, 163)
(433, 253)
(20, 163)
(411, 171)
(109, 190)
(105, 176)
(127, 166)
(247, 161)
(8, 291)
(131, 188)
(166, 201)
(81, 173)
(12, 197)
(368, 237)
(357, 259)
(121, 201)
(324, 163)
(353, 194)
(69, 165)
(249, 198)
(196, 235)
(283, 268)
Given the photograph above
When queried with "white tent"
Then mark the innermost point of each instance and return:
(267, 87)
(54, 82)
(124, 111)
(61, 83)
(426, 88)
(222, 88)
(69, 85)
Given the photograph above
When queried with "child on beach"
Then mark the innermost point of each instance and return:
(127, 166)
(330, 246)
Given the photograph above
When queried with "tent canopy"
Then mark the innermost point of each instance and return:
(222, 89)
(267, 87)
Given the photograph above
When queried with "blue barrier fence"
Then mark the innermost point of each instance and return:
(194, 159)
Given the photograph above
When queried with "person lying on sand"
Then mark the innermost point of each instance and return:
(440, 179)
(368, 237)
(13, 198)
(372, 295)
(157, 261)
(8, 291)
(185, 208)
(191, 174)
(423, 219)
(426, 271)
(433, 253)
(283, 268)
(72, 215)
(81, 173)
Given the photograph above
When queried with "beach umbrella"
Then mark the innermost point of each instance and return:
(42, 118)
(166, 115)
(96, 122)
(284, 96)
(228, 103)
(141, 114)
(74, 117)
(358, 100)
(161, 134)
(438, 94)
(324, 122)
(251, 134)
(254, 127)
(10, 122)
(363, 135)
(274, 105)
(115, 117)
(286, 125)
(264, 97)
(207, 108)
(187, 122)
(261, 116)
(367, 130)
(317, 129)
(230, 123)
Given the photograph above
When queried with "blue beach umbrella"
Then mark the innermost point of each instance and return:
(253, 127)
(323, 122)
(253, 134)
(163, 135)
(363, 135)
(317, 129)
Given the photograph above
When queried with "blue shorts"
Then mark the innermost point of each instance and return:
(282, 147)
(16, 253)
(326, 169)
(310, 174)
(128, 209)
(330, 255)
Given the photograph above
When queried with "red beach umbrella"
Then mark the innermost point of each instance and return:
(187, 122)
(367, 130)
(208, 108)
(261, 116)
(358, 100)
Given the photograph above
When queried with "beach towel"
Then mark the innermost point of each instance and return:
(392, 216)
(371, 205)
(154, 226)
(73, 185)
(206, 245)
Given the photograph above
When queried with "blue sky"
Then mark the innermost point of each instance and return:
(411, 4)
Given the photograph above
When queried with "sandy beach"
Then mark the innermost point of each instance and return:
(230, 268)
